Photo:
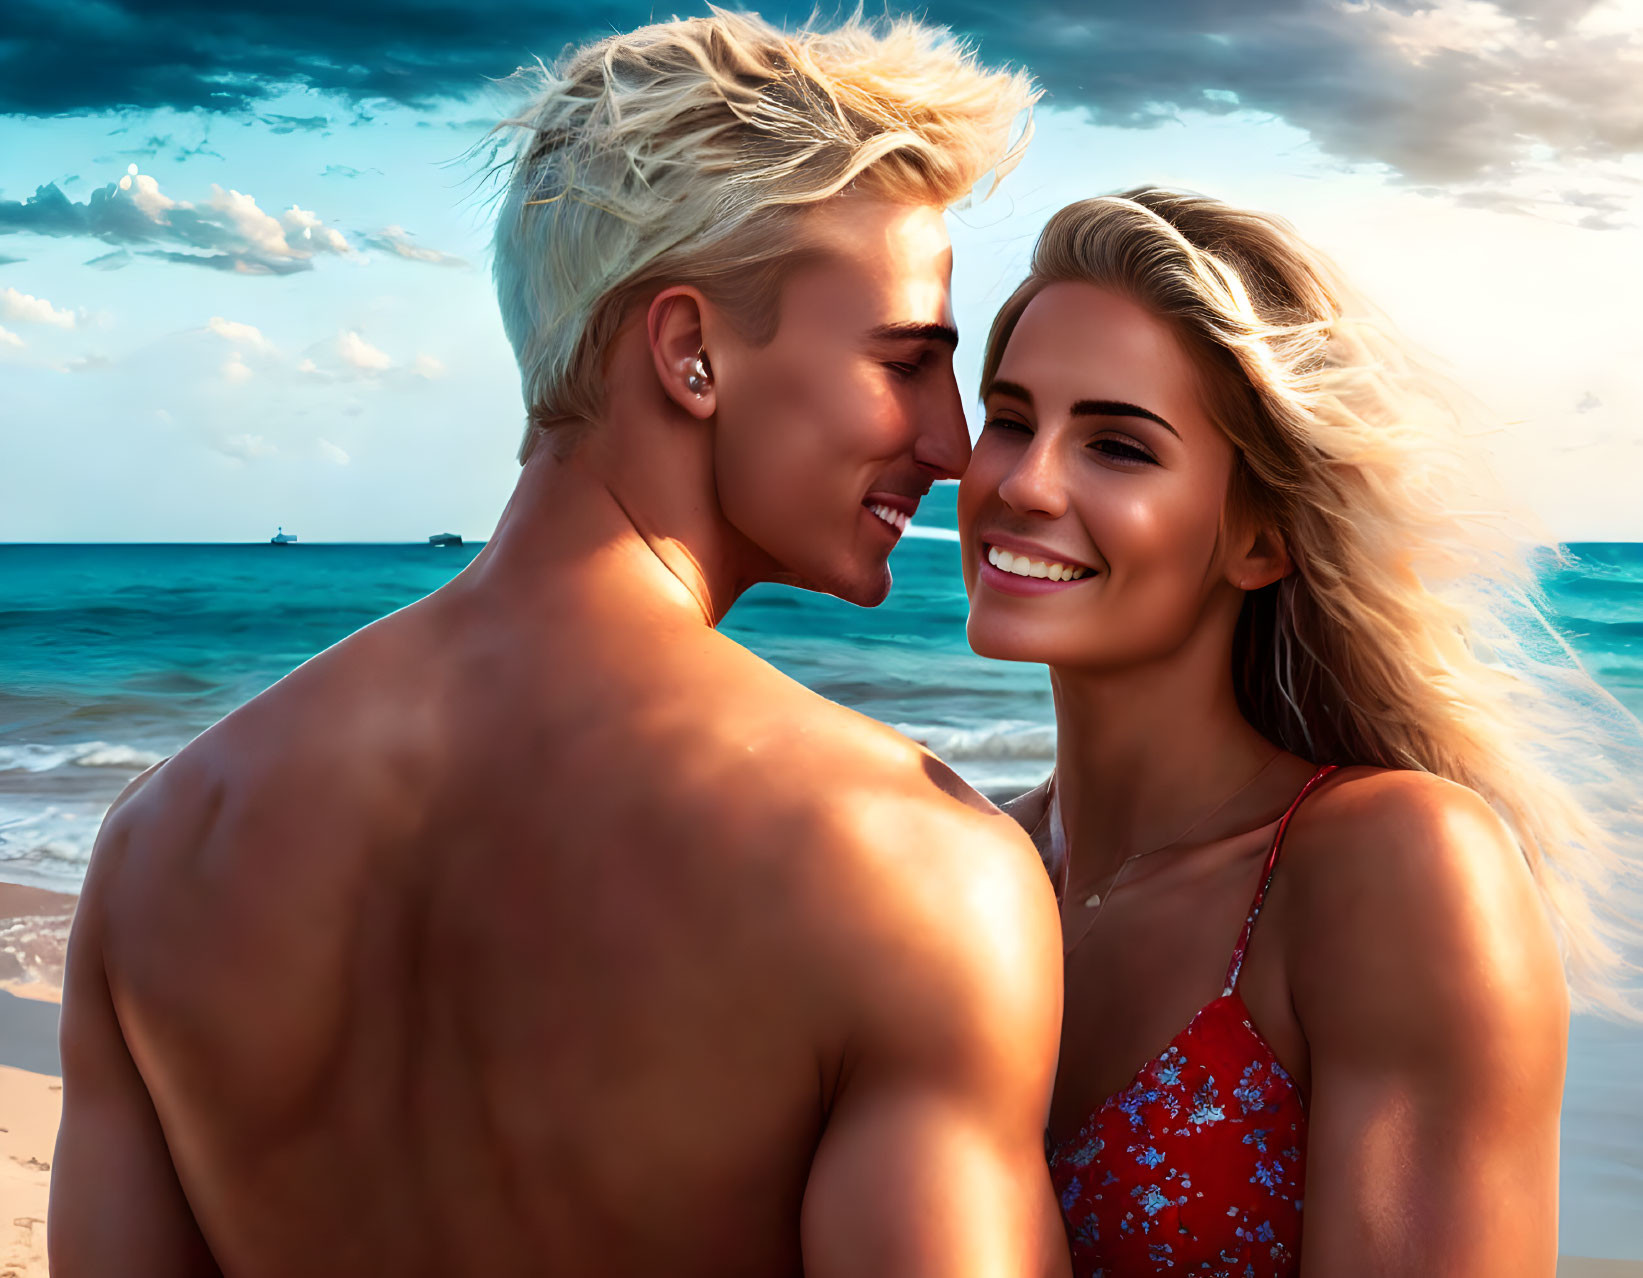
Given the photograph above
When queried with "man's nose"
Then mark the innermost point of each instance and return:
(1036, 484)
(943, 447)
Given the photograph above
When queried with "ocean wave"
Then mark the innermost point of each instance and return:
(929, 534)
(995, 742)
(50, 845)
(30, 757)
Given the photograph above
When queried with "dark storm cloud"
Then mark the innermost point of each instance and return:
(1441, 92)
(296, 123)
(62, 56)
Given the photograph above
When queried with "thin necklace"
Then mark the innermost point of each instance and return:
(1096, 901)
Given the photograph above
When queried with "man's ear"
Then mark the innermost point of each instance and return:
(1264, 561)
(678, 352)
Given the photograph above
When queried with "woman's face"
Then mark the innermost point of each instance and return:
(1099, 462)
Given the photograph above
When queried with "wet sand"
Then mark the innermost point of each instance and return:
(33, 935)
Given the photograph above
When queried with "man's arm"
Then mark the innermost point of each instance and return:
(117, 1206)
(1429, 985)
(932, 1162)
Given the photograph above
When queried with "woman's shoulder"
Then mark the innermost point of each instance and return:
(1396, 822)
(1403, 877)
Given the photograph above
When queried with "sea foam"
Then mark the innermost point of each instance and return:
(31, 757)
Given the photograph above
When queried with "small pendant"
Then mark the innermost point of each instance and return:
(1092, 900)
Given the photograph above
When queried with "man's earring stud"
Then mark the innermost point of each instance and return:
(697, 379)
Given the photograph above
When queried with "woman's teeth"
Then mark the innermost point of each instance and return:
(1022, 566)
(894, 518)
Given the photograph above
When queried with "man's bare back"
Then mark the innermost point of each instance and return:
(552, 949)
(469, 983)
(539, 928)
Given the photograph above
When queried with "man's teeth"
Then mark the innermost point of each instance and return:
(892, 517)
(1022, 566)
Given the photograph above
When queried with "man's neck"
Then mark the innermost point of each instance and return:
(630, 503)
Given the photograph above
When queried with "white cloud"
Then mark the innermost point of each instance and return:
(236, 370)
(428, 366)
(33, 310)
(8, 338)
(397, 241)
(358, 353)
(233, 331)
(336, 456)
(230, 231)
(148, 197)
(1450, 26)
(1611, 18)
(262, 232)
(314, 232)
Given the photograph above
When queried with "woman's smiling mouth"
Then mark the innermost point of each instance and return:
(1016, 572)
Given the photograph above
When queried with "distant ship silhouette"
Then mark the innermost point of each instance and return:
(445, 539)
(282, 538)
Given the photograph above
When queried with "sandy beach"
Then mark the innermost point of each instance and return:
(33, 935)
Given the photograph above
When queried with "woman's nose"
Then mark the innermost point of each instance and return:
(1036, 483)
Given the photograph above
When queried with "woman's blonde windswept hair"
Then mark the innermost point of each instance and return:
(1411, 632)
(686, 151)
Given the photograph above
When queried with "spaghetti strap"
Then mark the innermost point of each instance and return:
(1271, 868)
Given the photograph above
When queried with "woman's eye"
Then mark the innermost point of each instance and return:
(1123, 450)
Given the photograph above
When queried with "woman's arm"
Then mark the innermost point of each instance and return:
(1428, 981)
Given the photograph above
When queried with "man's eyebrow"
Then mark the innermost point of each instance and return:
(1084, 407)
(912, 331)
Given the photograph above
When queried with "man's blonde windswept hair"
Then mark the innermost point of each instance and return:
(686, 152)
(1411, 632)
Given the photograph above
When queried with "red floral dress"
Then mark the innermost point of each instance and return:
(1198, 1165)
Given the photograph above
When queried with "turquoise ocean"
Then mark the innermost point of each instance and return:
(114, 656)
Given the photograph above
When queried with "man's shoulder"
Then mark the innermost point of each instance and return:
(930, 926)
(267, 805)
(903, 872)
(753, 711)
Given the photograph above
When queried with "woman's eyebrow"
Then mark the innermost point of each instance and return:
(1117, 408)
(1015, 390)
(1084, 407)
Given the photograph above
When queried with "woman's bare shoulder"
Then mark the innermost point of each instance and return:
(1395, 823)
(1408, 892)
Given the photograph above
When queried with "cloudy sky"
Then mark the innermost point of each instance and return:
(244, 267)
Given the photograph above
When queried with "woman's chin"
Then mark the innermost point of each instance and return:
(1007, 643)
